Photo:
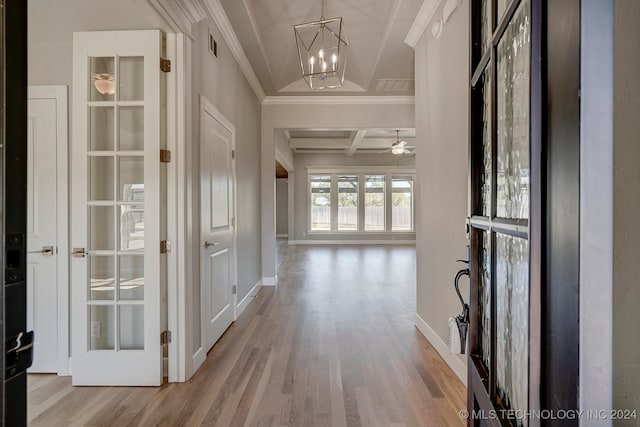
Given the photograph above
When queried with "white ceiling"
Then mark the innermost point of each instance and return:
(379, 61)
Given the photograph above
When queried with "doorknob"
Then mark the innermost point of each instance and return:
(46, 251)
(209, 244)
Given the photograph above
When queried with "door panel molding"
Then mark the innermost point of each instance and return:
(60, 95)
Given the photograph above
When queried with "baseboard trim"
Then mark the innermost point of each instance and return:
(246, 300)
(282, 236)
(352, 242)
(454, 362)
(270, 281)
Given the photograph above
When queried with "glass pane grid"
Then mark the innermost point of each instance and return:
(116, 204)
(374, 203)
(348, 202)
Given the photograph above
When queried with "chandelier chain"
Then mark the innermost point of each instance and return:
(322, 10)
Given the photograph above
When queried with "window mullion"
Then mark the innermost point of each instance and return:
(334, 202)
(361, 204)
(388, 203)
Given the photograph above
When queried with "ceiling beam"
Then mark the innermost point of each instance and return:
(356, 140)
(296, 143)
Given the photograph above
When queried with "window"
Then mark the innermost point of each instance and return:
(374, 212)
(320, 202)
(402, 202)
(348, 203)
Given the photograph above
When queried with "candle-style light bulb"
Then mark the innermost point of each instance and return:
(321, 53)
(312, 61)
(334, 60)
(324, 66)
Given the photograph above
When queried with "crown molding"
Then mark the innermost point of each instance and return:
(424, 16)
(339, 100)
(219, 16)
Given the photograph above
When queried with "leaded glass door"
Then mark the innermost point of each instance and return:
(505, 182)
(116, 224)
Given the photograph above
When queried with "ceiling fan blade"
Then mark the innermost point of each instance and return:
(402, 144)
(384, 151)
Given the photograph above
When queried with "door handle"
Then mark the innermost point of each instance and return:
(78, 253)
(46, 251)
(209, 244)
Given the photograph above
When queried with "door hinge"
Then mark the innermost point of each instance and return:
(165, 156)
(165, 246)
(165, 337)
(233, 154)
(234, 289)
(165, 65)
(233, 222)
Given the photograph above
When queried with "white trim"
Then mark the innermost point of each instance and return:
(451, 359)
(59, 94)
(282, 236)
(424, 16)
(250, 296)
(219, 16)
(597, 196)
(339, 100)
(270, 281)
(352, 242)
(198, 358)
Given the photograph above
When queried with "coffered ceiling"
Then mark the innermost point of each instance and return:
(379, 61)
(347, 141)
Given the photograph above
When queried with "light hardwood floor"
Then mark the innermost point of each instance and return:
(333, 345)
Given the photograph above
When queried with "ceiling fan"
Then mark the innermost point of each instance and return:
(398, 147)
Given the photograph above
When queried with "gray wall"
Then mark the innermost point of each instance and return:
(223, 84)
(282, 206)
(304, 161)
(442, 129)
(626, 292)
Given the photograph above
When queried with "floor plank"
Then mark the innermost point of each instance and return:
(333, 345)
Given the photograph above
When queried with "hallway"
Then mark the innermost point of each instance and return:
(333, 345)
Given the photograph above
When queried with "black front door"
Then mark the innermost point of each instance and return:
(16, 341)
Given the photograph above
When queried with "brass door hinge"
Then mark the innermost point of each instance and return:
(165, 65)
(165, 337)
(234, 289)
(165, 156)
(233, 154)
(165, 246)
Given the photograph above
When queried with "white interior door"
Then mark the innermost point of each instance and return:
(42, 239)
(117, 182)
(218, 261)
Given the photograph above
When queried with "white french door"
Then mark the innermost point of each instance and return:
(116, 225)
(218, 262)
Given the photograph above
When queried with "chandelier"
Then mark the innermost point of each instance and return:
(322, 52)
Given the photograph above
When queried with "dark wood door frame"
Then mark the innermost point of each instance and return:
(14, 204)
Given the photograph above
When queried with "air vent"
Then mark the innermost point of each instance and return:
(395, 85)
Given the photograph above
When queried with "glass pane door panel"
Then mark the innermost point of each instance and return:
(502, 7)
(131, 327)
(131, 178)
(131, 278)
(485, 192)
(348, 203)
(402, 203)
(485, 25)
(131, 128)
(512, 321)
(101, 169)
(374, 211)
(101, 137)
(103, 278)
(102, 330)
(320, 202)
(513, 117)
(131, 227)
(102, 227)
(484, 298)
(131, 74)
(102, 81)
